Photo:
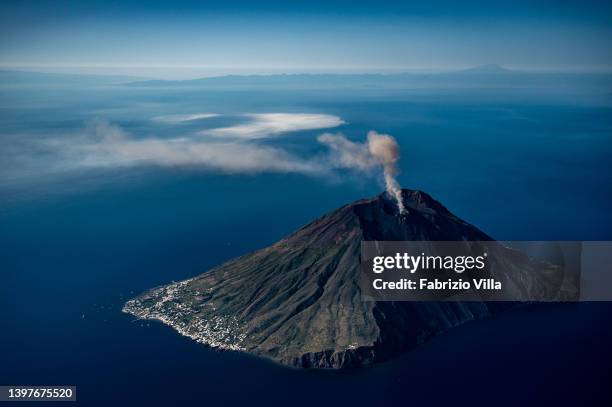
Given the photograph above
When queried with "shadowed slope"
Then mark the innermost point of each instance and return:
(299, 301)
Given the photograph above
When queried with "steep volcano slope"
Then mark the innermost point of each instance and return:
(299, 301)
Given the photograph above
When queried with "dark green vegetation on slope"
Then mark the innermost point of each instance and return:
(299, 301)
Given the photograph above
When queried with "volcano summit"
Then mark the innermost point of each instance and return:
(299, 301)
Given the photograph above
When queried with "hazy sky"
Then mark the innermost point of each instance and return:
(152, 37)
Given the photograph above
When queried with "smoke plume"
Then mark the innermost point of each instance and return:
(379, 150)
(107, 145)
(386, 151)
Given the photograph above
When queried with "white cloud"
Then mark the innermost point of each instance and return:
(108, 145)
(346, 153)
(263, 125)
(178, 118)
(103, 144)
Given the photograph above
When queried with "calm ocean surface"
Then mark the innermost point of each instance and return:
(76, 244)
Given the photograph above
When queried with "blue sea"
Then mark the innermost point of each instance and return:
(77, 241)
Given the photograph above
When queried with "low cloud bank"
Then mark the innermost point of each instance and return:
(263, 125)
(178, 118)
(106, 145)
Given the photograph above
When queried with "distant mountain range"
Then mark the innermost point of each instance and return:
(478, 77)
(485, 76)
(16, 77)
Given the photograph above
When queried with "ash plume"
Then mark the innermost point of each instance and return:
(105, 145)
(378, 150)
(386, 151)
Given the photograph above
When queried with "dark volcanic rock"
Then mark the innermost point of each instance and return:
(298, 301)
